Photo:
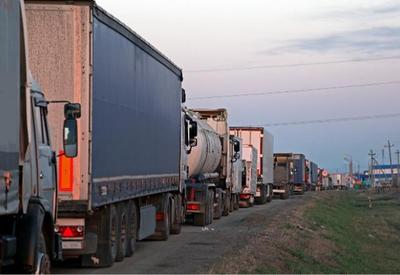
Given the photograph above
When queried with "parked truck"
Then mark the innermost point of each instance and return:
(313, 175)
(283, 175)
(263, 141)
(126, 183)
(299, 173)
(28, 169)
(249, 176)
(236, 152)
(209, 185)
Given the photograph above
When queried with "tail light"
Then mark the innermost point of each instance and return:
(70, 231)
(244, 196)
(160, 216)
(193, 206)
(66, 173)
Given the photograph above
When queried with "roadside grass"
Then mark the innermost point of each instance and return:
(364, 240)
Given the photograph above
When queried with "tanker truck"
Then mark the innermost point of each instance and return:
(263, 141)
(209, 188)
(125, 183)
(28, 170)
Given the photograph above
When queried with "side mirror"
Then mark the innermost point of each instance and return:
(236, 147)
(183, 96)
(72, 110)
(193, 130)
(70, 137)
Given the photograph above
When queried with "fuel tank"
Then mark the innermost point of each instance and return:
(204, 159)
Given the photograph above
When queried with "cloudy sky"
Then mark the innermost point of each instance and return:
(243, 47)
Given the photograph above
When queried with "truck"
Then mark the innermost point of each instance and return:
(249, 181)
(299, 173)
(263, 141)
(314, 174)
(209, 185)
(126, 182)
(283, 175)
(236, 151)
(28, 168)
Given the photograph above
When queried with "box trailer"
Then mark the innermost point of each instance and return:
(125, 184)
(299, 173)
(263, 141)
(283, 175)
(313, 175)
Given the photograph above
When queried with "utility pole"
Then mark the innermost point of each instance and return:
(371, 168)
(389, 146)
(398, 167)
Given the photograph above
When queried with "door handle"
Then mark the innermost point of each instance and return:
(41, 176)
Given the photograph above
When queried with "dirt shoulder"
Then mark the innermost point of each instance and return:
(329, 232)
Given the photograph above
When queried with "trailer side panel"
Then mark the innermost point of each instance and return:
(136, 119)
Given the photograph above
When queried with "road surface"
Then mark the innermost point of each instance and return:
(196, 249)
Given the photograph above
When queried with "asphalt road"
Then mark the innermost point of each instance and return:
(196, 249)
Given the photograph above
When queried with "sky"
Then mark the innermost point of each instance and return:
(221, 45)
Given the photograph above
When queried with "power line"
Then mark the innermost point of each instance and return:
(331, 120)
(228, 69)
(296, 90)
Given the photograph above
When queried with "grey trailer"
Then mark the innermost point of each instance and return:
(263, 141)
(299, 173)
(125, 184)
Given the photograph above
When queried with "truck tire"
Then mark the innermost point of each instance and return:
(43, 260)
(236, 203)
(164, 227)
(227, 204)
(218, 207)
(269, 191)
(203, 219)
(131, 229)
(176, 225)
(122, 228)
(107, 237)
(263, 195)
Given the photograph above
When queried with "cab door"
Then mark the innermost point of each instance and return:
(46, 157)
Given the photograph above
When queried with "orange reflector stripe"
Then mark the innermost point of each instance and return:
(66, 173)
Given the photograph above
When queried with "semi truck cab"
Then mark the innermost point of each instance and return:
(28, 174)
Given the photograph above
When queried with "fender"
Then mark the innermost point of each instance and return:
(37, 218)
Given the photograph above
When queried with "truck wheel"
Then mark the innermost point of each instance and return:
(269, 192)
(163, 227)
(107, 237)
(236, 203)
(210, 217)
(218, 208)
(122, 231)
(232, 203)
(227, 205)
(263, 195)
(251, 201)
(43, 260)
(176, 225)
(131, 229)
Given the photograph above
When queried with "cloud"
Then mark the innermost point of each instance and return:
(373, 40)
(385, 9)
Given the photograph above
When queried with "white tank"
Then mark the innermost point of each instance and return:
(206, 156)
